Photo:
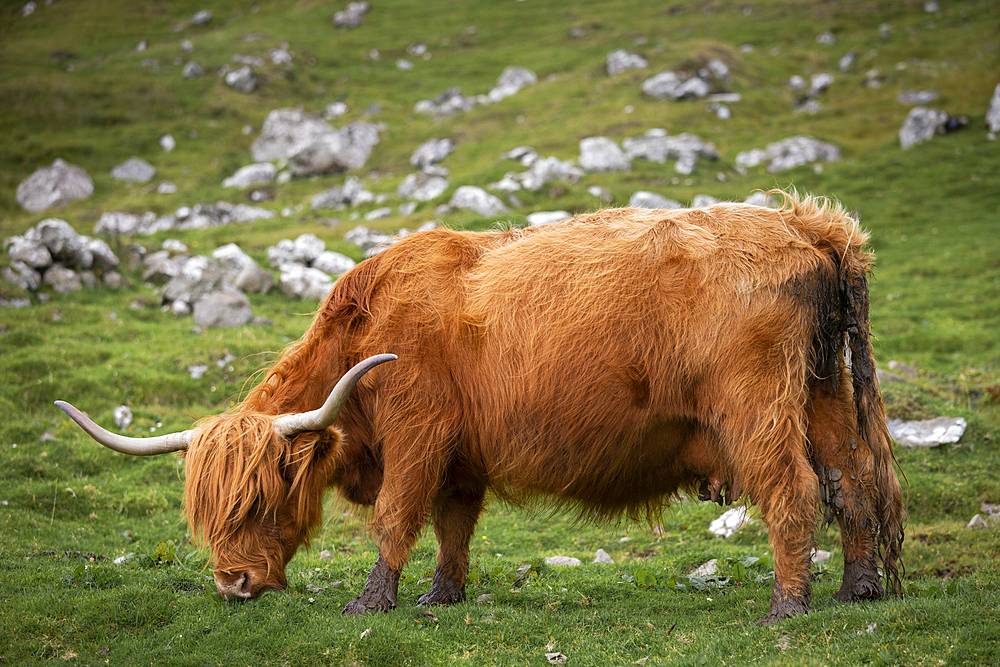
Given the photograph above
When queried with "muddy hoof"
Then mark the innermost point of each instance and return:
(444, 593)
(359, 607)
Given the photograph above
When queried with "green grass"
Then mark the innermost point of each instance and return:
(70, 507)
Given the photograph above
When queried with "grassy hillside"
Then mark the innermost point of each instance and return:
(73, 85)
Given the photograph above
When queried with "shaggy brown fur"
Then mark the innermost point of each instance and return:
(608, 362)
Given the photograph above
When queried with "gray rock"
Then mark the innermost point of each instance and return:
(223, 309)
(511, 80)
(448, 103)
(621, 61)
(168, 143)
(547, 217)
(56, 185)
(159, 268)
(333, 263)
(546, 170)
(563, 561)
(479, 201)
(379, 213)
(351, 16)
(911, 97)
(819, 83)
(788, 153)
(242, 79)
(113, 280)
(921, 125)
(174, 246)
(657, 146)
(365, 238)
(103, 258)
(977, 522)
(64, 244)
(729, 522)
(760, 198)
(31, 253)
(21, 275)
(333, 152)
(601, 154)
(673, 86)
(62, 280)
(523, 154)
(260, 173)
(651, 200)
(303, 282)
(303, 250)
(351, 193)
(285, 132)
(198, 276)
(135, 170)
(241, 270)
(89, 279)
(927, 432)
(123, 417)
(703, 201)
(847, 61)
(192, 70)
(601, 557)
(993, 112)
(201, 18)
(253, 61)
(431, 152)
(826, 37)
(280, 57)
(706, 569)
(422, 187)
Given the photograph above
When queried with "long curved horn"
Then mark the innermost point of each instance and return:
(319, 419)
(160, 444)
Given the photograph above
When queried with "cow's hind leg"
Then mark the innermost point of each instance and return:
(455, 517)
(379, 593)
(775, 469)
(846, 489)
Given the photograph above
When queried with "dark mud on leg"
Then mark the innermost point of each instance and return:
(379, 593)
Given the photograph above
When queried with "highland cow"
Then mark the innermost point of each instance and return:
(609, 362)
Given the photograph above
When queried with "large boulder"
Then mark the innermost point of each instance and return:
(63, 242)
(21, 275)
(788, 153)
(134, 170)
(242, 79)
(30, 253)
(600, 154)
(479, 201)
(56, 185)
(921, 125)
(223, 309)
(333, 263)
(366, 239)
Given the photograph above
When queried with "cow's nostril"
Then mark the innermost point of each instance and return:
(234, 587)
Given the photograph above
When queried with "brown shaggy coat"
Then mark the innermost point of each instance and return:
(608, 361)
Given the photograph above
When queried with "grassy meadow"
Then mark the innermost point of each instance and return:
(73, 85)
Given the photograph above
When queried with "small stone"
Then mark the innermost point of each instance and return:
(706, 569)
(563, 561)
(123, 417)
(820, 556)
(977, 522)
(484, 598)
(601, 557)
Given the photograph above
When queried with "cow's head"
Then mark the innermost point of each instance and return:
(254, 482)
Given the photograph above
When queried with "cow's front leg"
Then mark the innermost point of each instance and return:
(455, 518)
(379, 593)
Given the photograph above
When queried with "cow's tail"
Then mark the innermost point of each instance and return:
(871, 424)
